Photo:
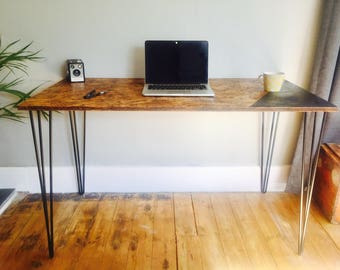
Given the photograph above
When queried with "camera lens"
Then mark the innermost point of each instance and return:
(76, 72)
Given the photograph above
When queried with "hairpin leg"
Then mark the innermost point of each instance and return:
(80, 168)
(39, 154)
(305, 201)
(265, 169)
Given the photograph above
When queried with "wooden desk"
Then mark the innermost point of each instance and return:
(126, 95)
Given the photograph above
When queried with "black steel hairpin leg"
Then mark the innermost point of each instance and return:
(80, 168)
(305, 202)
(39, 154)
(265, 167)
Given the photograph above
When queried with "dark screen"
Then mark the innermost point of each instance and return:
(176, 61)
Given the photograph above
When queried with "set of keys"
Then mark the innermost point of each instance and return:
(94, 93)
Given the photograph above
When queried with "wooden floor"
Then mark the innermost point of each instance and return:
(167, 231)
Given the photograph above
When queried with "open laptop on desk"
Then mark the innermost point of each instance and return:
(176, 68)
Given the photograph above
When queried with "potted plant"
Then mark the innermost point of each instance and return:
(13, 65)
(12, 62)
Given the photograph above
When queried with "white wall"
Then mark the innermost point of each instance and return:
(246, 37)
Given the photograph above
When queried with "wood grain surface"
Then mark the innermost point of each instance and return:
(327, 181)
(126, 95)
(167, 231)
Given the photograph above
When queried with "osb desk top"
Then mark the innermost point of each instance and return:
(126, 95)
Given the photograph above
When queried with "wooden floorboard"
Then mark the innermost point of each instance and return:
(167, 231)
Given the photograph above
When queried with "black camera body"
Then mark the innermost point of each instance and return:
(75, 70)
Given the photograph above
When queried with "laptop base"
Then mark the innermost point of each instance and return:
(208, 92)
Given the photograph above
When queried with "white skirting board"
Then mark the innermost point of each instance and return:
(148, 179)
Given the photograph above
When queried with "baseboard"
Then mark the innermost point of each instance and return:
(148, 179)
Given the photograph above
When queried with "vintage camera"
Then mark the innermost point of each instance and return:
(75, 70)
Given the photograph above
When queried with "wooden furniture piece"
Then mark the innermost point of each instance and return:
(327, 182)
(126, 95)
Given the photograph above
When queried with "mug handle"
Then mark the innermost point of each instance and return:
(260, 76)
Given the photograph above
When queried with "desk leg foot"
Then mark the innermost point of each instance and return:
(307, 182)
(265, 167)
(39, 154)
(80, 168)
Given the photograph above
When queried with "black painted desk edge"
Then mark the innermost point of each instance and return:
(293, 96)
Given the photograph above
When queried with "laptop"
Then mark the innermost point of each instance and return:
(176, 68)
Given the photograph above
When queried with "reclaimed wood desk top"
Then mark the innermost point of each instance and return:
(126, 95)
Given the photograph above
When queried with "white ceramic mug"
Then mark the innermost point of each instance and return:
(272, 81)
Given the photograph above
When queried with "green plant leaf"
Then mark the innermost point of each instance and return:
(13, 60)
(16, 60)
(8, 114)
(14, 92)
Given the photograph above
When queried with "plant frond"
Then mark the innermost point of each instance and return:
(12, 60)
(8, 114)
(8, 46)
(16, 60)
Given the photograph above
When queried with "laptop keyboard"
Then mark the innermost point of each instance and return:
(177, 87)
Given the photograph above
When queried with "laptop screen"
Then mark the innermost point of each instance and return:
(176, 62)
